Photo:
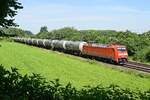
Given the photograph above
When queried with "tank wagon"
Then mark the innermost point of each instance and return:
(113, 53)
(56, 44)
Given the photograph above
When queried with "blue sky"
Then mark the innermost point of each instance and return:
(118, 15)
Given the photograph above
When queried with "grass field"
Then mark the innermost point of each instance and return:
(54, 65)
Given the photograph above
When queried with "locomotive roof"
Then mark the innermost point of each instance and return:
(106, 45)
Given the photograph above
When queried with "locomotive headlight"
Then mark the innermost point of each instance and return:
(125, 54)
(122, 54)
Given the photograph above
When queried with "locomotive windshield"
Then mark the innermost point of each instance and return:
(121, 49)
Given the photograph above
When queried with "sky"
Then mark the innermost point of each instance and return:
(120, 15)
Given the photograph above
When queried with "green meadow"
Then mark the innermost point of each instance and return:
(52, 65)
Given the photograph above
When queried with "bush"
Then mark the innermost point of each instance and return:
(14, 86)
(6, 39)
(143, 55)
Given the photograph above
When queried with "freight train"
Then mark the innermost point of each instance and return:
(113, 53)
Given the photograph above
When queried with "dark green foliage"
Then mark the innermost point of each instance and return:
(43, 29)
(8, 9)
(148, 56)
(14, 86)
(43, 32)
(64, 33)
(11, 32)
(143, 55)
(28, 32)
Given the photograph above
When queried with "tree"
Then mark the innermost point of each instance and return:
(8, 9)
(43, 32)
(28, 32)
(43, 29)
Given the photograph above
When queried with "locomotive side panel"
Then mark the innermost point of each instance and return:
(108, 53)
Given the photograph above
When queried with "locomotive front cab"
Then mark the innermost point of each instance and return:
(122, 54)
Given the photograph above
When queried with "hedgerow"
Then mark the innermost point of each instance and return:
(14, 86)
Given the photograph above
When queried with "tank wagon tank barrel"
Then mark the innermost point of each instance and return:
(57, 44)
(71, 45)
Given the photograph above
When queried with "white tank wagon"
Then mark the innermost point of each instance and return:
(58, 44)
(74, 46)
(25, 40)
(30, 41)
(34, 42)
(47, 43)
(40, 43)
(17, 39)
(21, 40)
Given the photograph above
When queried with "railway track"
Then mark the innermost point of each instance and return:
(138, 66)
(129, 65)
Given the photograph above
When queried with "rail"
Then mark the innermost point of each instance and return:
(138, 66)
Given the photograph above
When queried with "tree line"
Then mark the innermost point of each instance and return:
(15, 32)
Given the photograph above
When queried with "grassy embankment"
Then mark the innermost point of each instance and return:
(54, 65)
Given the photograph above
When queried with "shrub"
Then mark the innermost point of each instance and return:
(14, 86)
(143, 55)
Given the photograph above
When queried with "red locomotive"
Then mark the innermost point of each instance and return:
(114, 53)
